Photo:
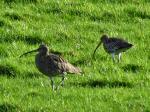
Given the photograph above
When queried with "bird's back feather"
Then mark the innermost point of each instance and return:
(60, 65)
(116, 44)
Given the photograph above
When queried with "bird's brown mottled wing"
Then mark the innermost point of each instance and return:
(60, 65)
(118, 44)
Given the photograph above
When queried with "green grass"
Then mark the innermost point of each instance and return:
(74, 28)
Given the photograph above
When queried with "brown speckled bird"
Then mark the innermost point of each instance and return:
(113, 46)
(52, 65)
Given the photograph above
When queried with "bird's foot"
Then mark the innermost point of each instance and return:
(57, 88)
(54, 88)
(62, 84)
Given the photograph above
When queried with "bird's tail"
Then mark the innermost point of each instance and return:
(72, 69)
(130, 45)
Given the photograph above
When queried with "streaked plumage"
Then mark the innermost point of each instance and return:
(113, 46)
(52, 65)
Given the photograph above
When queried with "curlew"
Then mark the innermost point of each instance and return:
(113, 46)
(52, 65)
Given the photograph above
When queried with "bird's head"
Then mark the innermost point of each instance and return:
(43, 49)
(102, 39)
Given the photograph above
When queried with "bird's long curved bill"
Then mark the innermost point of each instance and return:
(28, 52)
(96, 48)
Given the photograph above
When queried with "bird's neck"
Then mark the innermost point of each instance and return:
(43, 53)
(105, 41)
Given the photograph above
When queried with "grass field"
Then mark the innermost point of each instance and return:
(74, 27)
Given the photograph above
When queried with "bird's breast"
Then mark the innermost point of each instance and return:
(47, 66)
(41, 64)
(108, 48)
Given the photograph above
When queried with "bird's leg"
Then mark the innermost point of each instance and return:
(52, 84)
(63, 78)
(62, 81)
(113, 57)
(119, 57)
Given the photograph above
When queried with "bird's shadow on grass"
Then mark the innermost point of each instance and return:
(8, 70)
(11, 71)
(2, 23)
(21, 1)
(103, 84)
(6, 107)
(28, 39)
(132, 68)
